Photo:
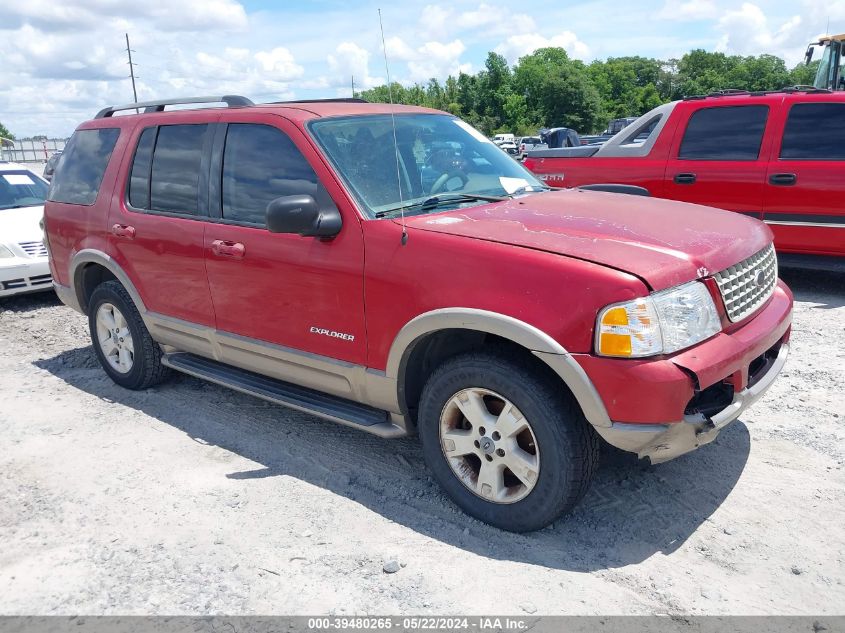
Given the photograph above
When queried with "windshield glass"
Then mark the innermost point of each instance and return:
(437, 154)
(21, 189)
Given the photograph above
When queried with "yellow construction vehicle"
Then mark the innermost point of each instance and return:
(831, 74)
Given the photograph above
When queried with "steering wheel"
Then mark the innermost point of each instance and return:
(440, 184)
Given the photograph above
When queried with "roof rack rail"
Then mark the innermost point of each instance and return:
(760, 93)
(335, 100)
(231, 101)
(808, 89)
(727, 92)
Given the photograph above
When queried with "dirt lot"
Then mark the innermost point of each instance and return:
(194, 499)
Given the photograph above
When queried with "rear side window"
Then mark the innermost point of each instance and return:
(175, 174)
(139, 180)
(84, 161)
(261, 163)
(815, 131)
(725, 133)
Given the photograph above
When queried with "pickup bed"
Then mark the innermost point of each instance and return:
(778, 157)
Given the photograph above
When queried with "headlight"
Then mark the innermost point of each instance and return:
(5, 253)
(661, 323)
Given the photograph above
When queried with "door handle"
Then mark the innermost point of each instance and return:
(123, 230)
(223, 248)
(684, 179)
(783, 179)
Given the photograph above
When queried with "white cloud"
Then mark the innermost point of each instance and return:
(438, 21)
(278, 63)
(438, 59)
(349, 60)
(747, 31)
(688, 11)
(434, 19)
(63, 60)
(184, 15)
(517, 46)
(432, 59)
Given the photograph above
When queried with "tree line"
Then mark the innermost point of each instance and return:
(548, 89)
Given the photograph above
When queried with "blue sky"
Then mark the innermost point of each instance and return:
(63, 61)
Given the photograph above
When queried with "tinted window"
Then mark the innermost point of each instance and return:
(260, 163)
(727, 133)
(21, 189)
(77, 181)
(815, 131)
(176, 168)
(139, 180)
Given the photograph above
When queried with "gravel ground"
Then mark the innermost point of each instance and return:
(191, 498)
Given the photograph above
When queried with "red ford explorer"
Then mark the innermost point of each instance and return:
(391, 269)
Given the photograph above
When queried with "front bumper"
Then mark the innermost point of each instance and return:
(662, 442)
(664, 407)
(24, 275)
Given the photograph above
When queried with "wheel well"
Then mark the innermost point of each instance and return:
(431, 350)
(87, 279)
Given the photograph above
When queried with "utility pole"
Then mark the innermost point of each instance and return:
(131, 69)
(353, 86)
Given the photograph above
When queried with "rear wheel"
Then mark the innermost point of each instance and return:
(510, 447)
(121, 341)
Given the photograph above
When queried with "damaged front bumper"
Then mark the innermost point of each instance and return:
(662, 442)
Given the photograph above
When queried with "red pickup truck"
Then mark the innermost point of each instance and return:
(391, 269)
(778, 157)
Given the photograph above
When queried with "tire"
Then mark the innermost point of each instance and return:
(143, 368)
(565, 447)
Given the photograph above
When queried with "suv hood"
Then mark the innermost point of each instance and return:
(663, 242)
(21, 225)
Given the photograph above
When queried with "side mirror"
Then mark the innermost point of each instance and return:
(808, 56)
(302, 216)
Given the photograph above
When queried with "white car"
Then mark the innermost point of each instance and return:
(23, 256)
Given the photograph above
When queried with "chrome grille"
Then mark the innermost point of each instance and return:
(34, 249)
(748, 285)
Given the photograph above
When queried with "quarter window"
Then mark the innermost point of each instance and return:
(175, 176)
(139, 180)
(261, 163)
(78, 179)
(725, 133)
(815, 131)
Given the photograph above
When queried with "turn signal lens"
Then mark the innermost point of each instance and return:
(629, 330)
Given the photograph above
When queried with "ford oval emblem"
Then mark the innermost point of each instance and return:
(760, 277)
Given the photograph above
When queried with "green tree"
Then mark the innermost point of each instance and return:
(494, 90)
(5, 133)
(803, 74)
(558, 91)
(547, 88)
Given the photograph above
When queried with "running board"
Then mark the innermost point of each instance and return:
(286, 394)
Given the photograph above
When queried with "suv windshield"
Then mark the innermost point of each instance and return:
(435, 154)
(21, 189)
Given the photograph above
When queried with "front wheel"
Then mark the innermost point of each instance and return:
(508, 445)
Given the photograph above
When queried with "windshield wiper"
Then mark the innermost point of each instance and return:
(439, 200)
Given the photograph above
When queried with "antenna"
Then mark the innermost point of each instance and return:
(395, 142)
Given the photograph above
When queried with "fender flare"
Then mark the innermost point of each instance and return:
(523, 334)
(93, 256)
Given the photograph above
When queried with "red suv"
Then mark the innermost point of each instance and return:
(389, 268)
(775, 156)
